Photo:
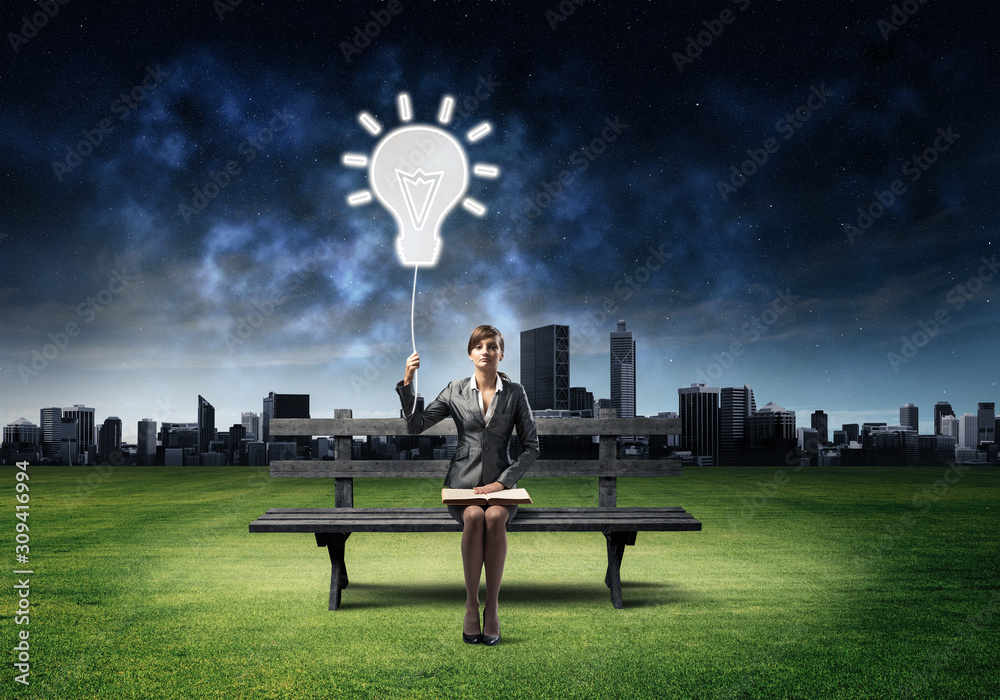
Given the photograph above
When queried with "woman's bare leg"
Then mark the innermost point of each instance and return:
(473, 531)
(494, 557)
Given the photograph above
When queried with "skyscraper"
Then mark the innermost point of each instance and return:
(145, 454)
(50, 421)
(580, 399)
(949, 425)
(110, 438)
(285, 406)
(819, 422)
(772, 422)
(282, 406)
(941, 408)
(623, 376)
(909, 415)
(545, 367)
(206, 424)
(251, 423)
(86, 428)
(986, 419)
(698, 407)
(968, 431)
(736, 405)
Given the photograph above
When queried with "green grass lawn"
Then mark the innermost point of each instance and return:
(826, 583)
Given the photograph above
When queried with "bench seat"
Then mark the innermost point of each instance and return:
(332, 527)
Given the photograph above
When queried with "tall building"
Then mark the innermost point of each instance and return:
(50, 422)
(545, 367)
(909, 415)
(819, 422)
(698, 406)
(69, 441)
(893, 446)
(968, 431)
(146, 443)
(949, 425)
(580, 399)
(22, 441)
(623, 373)
(282, 406)
(86, 427)
(941, 408)
(735, 406)
(22, 430)
(285, 406)
(986, 419)
(808, 440)
(772, 422)
(109, 438)
(237, 438)
(852, 431)
(206, 424)
(251, 424)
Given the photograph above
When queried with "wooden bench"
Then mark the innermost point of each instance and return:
(332, 526)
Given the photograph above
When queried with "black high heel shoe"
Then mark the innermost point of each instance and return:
(471, 638)
(487, 639)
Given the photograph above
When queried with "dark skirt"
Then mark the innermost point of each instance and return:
(456, 513)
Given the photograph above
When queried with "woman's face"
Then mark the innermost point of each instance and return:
(486, 354)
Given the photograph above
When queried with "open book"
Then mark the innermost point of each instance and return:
(465, 497)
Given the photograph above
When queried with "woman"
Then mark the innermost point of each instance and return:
(486, 408)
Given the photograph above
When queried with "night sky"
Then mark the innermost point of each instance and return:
(707, 193)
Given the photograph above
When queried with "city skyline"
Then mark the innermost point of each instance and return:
(927, 424)
(812, 216)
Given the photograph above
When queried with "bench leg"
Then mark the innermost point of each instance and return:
(334, 542)
(616, 549)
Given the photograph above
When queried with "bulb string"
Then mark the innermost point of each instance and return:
(413, 337)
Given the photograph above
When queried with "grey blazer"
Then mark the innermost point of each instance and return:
(481, 455)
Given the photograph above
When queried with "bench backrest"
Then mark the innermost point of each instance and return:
(607, 467)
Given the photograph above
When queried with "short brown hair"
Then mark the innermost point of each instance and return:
(482, 333)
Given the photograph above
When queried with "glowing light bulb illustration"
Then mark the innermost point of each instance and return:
(419, 172)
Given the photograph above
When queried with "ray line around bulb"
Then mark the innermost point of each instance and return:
(360, 197)
(471, 205)
(355, 160)
(369, 123)
(405, 109)
(444, 113)
(485, 170)
(479, 132)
